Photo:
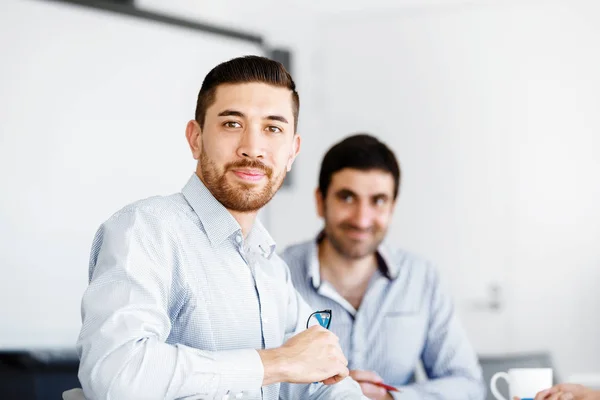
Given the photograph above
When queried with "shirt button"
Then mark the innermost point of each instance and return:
(266, 320)
(238, 238)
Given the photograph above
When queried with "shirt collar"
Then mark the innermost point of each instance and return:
(218, 222)
(314, 273)
(383, 258)
(260, 238)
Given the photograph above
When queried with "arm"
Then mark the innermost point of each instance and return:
(126, 322)
(346, 389)
(448, 358)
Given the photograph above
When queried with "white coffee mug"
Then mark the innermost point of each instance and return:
(524, 383)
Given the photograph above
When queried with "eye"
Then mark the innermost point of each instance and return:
(380, 201)
(347, 199)
(232, 124)
(274, 129)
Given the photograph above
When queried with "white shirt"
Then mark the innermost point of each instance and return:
(179, 302)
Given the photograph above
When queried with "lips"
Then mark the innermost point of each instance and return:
(355, 233)
(358, 234)
(249, 174)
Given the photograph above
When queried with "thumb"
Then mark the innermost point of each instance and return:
(365, 376)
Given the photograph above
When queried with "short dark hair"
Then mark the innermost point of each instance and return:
(245, 70)
(360, 151)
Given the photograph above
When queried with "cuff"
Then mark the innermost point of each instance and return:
(239, 371)
(406, 393)
(347, 389)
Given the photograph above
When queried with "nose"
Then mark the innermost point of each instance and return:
(250, 144)
(363, 216)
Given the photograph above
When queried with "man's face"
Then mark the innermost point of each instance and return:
(247, 144)
(357, 210)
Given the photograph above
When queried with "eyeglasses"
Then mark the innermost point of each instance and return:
(322, 318)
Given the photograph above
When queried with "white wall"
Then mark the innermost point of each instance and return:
(556, 195)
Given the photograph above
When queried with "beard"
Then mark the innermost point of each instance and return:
(350, 248)
(239, 196)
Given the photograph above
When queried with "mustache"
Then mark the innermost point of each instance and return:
(349, 227)
(250, 164)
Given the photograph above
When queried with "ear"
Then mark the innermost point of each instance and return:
(320, 202)
(294, 153)
(193, 134)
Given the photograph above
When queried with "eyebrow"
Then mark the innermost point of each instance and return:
(231, 113)
(345, 192)
(234, 113)
(277, 118)
(348, 192)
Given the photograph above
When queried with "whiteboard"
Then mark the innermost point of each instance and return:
(93, 108)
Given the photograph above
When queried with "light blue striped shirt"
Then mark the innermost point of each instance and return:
(179, 301)
(401, 320)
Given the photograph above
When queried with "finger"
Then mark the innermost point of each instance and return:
(544, 394)
(330, 336)
(336, 354)
(337, 378)
(372, 391)
(555, 396)
(339, 369)
(318, 330)
(339, 355)
(344, 372)
(366, 376)
(313, 332)
(333, 380)
(338, 372)
(574, 390)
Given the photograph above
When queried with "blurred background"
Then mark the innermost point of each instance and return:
(491, 106)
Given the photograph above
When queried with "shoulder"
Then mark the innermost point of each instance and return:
(156, 210)
(298, 258)
(154, 219)
(297, 254)
(410, 265)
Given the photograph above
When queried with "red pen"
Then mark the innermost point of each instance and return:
(383, 385)
(386, 387)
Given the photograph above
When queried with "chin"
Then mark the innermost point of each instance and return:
(359, 249)
(355, 255)
(255, 187)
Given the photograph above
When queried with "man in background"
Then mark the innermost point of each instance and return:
(390, 311)
(187, 298)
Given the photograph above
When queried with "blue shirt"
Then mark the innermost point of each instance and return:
(404, 317)
(179, 301)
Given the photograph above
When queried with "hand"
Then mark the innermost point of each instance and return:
(366, 379)
(567, 391)
(313, 355)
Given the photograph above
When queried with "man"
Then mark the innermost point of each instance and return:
(567, 391)
(389, 309)
(187, 298)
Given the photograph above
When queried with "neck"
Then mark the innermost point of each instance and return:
(245, 219)
(349, 276)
